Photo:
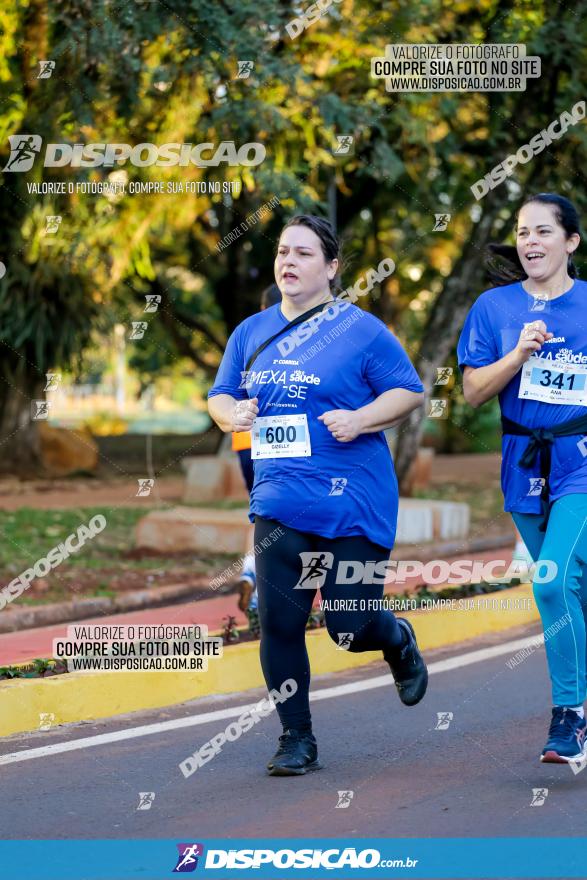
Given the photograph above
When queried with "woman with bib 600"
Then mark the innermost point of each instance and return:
(527, 342)
(317, 380)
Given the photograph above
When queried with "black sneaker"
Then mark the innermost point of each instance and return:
(408, 668)
(297, 753)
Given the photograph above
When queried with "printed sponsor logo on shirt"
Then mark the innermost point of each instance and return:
(563, 355)
(276, 377)
(304, 378)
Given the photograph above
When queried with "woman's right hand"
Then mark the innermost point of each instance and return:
(532, 338)
(244, 414)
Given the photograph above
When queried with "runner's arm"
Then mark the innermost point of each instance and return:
(480, 384)
(388, 410)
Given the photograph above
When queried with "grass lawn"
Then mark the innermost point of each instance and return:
(102, 567)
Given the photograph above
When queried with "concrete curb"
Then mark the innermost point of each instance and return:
(81, 696)
(16, 619)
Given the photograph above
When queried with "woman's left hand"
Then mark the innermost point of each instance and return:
(343, 424)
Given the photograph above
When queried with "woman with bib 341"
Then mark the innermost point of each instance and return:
(317, 380)
(527, 342)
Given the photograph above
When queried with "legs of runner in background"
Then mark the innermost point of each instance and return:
(564, 599)
(247, 583)
(247, 467)
(521, 554)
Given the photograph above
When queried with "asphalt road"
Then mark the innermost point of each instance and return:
(409, 779)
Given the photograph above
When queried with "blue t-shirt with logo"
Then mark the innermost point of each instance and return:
(491, 330)
(342, 359)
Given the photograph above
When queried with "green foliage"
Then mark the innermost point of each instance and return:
(159, 72)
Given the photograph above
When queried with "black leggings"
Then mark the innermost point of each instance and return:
(283, 611)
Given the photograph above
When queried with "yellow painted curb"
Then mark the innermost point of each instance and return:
(80, 696)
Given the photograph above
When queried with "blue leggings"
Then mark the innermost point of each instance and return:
(565, 543)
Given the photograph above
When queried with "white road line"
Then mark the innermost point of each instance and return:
(234, 712)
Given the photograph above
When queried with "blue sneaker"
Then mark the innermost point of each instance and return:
(566, 737)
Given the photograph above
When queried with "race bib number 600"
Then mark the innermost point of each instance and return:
(552, 382)
(280, 437)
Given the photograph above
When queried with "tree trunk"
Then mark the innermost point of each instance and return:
(446, 319)
(20, 442)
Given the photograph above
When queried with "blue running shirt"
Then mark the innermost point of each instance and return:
(343, 359)
(491, 330)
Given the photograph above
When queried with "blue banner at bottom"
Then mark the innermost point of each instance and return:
(368, 858)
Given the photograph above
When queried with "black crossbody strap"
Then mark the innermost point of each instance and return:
(299, 320)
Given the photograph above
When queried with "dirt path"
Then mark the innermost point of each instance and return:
(478, 468)
(50, 494)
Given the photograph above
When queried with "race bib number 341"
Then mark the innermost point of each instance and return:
(280, 437)
(553, 382)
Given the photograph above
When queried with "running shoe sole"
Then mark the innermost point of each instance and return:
(552, 757)
(282, 771)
